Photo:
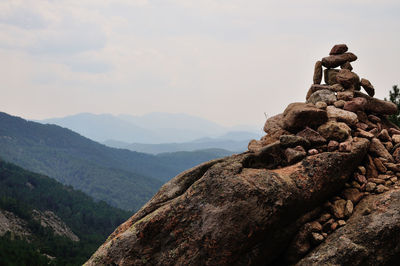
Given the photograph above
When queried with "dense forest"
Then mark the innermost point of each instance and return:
(122, 178)
(22, 191)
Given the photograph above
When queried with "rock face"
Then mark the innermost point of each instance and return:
(226, 211)
(300, 195)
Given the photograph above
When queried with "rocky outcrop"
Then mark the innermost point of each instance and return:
(51, 220)
(300, 195)
(9, 222)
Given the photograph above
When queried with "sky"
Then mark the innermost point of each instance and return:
(229, 61)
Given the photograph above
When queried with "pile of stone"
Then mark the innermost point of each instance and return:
(334, 116)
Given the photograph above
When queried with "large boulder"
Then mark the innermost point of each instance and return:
(370, 237)
(377, 106)
(326, 96)
(299, 115)
(228, 211)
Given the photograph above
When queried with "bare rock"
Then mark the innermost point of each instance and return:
(228, 212)
(341, 115)
(348, 208)
(338, 208)
(370, 187)
(317, 87)
(290, 141)
(347, 65)
(299, 115)
(371, 168)
(367, 87)
(317, 73)
(384, 135)
(352, 194)
(330, 76)
(381, 189)
(325, 95)
(333, 61)
(348, 79)
(338, 49)
(379, 165)
(333, 145)
(294, 155)
(377, 148)
(312, 136)
(321, 105)
(346, 95)
(254, 145)
(377, 106)
(374, 119)
(339, 104)
(376, 244)
(333, 130)
(355, 105)
(396, 138)
(364, 134)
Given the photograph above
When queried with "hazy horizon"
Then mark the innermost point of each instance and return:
(225, 61)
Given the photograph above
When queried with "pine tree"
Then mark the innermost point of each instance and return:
(394, 97)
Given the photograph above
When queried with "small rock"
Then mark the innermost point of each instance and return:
(374, 118)
(294, 155)
(313, 152)
(325, 95)
(254, 145)
(317, 73)
(341, 222)
(370, 186)
(348, 209)
(364, 134)
(394, 131)
(345, 146)
(376, 180)
(352, 194)
(333, 130)
(321, 105)
(336, 87)
(355, 105)
(396, 138)
(316, 238)
(333, 61)
(368, 87)
(381, 188)
(339, 104)
(362, 170)
(317, 87)
(393, 179)
(290, 141)
(330, 76)
(384, 177)
(338, 208)
(371, 168)
(347, 65)
(379, 165)
(384, 135)
(377, 148)
(312, 136)
(392, 166)
(338, 49)
(346, 95)
(348, 79)
(341, 115)
(326, 227)
(396, 154)
(333, 145)
(361, 125)
(324, 217)
(388, 145)
(334, 226)
(377, 106)
(360, 178)
(388, 183)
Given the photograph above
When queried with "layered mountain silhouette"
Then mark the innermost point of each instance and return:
(120, 177)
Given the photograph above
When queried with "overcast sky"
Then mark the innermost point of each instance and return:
(225, 60)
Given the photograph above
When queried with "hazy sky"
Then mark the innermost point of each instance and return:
(225, 60)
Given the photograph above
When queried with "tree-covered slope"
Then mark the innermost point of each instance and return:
(122, 178)
(22, 191)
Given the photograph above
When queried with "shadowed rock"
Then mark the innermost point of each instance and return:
(228, 211)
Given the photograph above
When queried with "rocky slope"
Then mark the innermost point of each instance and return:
(320, 188)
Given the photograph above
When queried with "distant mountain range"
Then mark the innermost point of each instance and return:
(225, 143)
(152, 128)
(120, 177)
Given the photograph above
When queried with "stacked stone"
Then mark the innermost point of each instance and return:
(334, 116)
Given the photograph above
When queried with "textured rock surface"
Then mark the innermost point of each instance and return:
(226, 211)
(378, 243)
(299, 115)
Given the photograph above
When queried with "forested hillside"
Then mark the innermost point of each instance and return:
(23, 191)
(122, 178)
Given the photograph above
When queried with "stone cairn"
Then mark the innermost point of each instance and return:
(334, 115)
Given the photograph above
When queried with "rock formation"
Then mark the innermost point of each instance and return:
(320, 188)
